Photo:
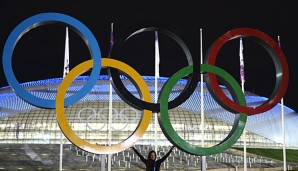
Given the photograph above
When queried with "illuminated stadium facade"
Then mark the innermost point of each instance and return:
(89, 117)
(34, 135)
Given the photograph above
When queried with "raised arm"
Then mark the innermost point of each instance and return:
(140, 155)
(167, 155)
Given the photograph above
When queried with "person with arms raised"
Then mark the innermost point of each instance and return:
(151, 163)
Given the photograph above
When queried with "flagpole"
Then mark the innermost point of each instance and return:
(157, 60)
(242, 78)
(65, 72)
(110, 105)
(203, 161)
(283, 124)
(283, 134)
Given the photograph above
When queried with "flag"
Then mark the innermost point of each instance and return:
(278, 39)
(66, 55)
(111, 38)
(157, 59)
(241, 62)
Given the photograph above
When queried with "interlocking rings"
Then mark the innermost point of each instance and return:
(43, 19)
(171, 134)
(104, 120)
(70, 134)
(145, 103)
(99, 115)
(140, 104)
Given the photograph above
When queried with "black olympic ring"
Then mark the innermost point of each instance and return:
(133, 101)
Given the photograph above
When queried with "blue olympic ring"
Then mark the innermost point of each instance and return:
(42, 19)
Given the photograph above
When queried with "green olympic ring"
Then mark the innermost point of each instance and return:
(171, 134)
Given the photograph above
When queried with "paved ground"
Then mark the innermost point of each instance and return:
(46, 157)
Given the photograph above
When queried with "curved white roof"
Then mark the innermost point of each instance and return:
(267, 124)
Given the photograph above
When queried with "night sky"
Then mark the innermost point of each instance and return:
(39, 53)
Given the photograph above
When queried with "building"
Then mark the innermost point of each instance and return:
(23, 123)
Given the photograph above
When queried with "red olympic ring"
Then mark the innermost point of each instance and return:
(281, 67)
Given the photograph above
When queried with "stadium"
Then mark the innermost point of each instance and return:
(31, 136)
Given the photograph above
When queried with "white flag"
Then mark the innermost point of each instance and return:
(157, 59)
(66, 55)
(241, 62)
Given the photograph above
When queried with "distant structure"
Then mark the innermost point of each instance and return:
(88, 117)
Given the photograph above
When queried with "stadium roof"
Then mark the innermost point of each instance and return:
(267, 124)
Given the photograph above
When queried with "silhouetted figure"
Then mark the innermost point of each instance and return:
(151, 163)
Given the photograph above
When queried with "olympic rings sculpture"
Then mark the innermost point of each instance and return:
(100, 116)
(193, 71)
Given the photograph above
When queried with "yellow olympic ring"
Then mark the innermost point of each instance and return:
(70, 134)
